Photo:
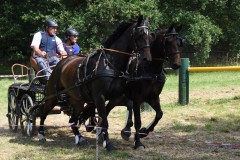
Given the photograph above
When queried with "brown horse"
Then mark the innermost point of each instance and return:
(98, 77)
(148, 81)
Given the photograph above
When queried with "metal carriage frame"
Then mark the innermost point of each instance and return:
(26, 98)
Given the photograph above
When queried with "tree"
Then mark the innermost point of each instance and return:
(207, 25)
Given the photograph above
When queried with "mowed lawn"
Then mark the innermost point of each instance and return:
(208, 128)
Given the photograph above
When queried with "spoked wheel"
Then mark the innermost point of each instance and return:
(27, 119)
(13, 111)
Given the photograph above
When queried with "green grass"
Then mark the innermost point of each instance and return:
(4, 84)
(205, 80)
(203, 119)
(209, 80)
(184, 127)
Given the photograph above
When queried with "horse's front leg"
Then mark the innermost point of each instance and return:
(126, 131)
(157, 107)
(123, 101)
(137, 125)
(100, 103)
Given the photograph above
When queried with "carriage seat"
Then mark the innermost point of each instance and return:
(58, 108)
(34, 64)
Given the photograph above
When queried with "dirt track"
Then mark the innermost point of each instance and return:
(165, 141)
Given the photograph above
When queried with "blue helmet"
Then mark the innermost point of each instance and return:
(50, 23)
(71, 32)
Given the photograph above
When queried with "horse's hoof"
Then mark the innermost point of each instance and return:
(143, 132)
(139, 145)
(110, 147)
(41, 137)
(79, 140)
(126, 133)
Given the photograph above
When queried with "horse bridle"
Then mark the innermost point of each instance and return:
(146, 31)
(179, 39)
(136, 50)
(179, 43)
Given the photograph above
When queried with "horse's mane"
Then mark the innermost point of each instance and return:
(117, 33)
(161, 30)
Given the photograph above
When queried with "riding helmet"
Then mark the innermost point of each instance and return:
(50, 23)
(71, 32)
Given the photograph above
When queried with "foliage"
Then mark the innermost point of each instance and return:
(207, 25)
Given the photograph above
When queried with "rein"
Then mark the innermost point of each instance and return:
(117, 51)
(158, 59)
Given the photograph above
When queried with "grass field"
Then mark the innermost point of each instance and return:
(208, 128)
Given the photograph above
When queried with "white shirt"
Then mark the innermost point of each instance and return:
(37, 40)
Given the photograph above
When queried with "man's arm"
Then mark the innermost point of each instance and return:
(38, 51)
(63, 53)
(60, 47)
(35, 45)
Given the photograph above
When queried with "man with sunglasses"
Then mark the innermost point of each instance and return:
(70, 43)
(47, 47)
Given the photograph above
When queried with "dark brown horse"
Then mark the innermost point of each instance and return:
(148, 81)
(98, 77)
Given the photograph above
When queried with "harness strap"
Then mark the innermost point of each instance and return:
(113, 50)
(81, 83)
(147, 46)
(158, 59)
(153, 77)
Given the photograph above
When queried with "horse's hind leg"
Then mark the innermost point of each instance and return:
(73, 121)
(157, 107)
(41, 134)
(100, 103)
(89, 115)
(44, 110)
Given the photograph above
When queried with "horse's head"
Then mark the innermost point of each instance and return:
(167, 42)
(141, 37)
(130, 37)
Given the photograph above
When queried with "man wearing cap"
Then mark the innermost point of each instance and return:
(47, 46)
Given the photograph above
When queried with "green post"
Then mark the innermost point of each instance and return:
(183, 92)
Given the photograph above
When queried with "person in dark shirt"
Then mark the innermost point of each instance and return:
(70, 42)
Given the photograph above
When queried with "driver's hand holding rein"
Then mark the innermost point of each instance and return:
(47, 46)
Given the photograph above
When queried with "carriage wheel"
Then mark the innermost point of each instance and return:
(27, 119)
(13, 111)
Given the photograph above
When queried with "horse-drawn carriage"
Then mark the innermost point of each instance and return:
(106, 74)
(26, 95)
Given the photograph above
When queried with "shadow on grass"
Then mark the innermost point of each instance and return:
(63, 138)
(55, 138)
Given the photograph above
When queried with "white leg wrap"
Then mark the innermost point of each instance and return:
(76, 139)
(79, 139)
(104, 144)
(41, 137)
